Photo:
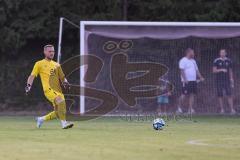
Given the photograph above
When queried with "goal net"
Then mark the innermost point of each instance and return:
(159, 43)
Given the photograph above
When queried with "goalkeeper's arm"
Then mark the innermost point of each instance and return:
(29, 83)
(63, 79)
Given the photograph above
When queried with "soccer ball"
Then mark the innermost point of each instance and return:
(158, 124)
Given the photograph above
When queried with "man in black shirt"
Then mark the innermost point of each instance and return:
(222, 68)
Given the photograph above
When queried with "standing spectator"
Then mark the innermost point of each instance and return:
(222, 68)
(189, 73)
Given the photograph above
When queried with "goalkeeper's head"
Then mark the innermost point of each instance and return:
(48, 51)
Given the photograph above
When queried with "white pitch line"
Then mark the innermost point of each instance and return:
(197, 142)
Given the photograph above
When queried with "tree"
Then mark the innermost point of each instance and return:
(24, 20)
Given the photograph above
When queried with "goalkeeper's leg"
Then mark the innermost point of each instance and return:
(59, 112)
(49, 116)
(60, 109)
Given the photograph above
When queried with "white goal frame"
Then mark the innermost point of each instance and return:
(83, 24)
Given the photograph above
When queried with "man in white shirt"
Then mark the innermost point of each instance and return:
(189, 74)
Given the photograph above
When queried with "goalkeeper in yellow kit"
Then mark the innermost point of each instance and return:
(51, 75)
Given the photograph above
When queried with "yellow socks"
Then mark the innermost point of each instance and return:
(61, 110)
(50, 116)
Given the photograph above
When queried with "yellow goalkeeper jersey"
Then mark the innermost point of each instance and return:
(51, 74)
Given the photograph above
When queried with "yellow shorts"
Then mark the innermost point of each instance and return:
(51, 95)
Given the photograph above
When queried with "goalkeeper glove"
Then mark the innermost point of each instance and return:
(27, 88)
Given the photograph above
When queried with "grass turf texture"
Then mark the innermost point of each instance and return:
(213, 138)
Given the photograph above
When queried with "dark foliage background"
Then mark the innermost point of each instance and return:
(26, 25)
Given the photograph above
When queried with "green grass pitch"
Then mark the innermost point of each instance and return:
(210, 138)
